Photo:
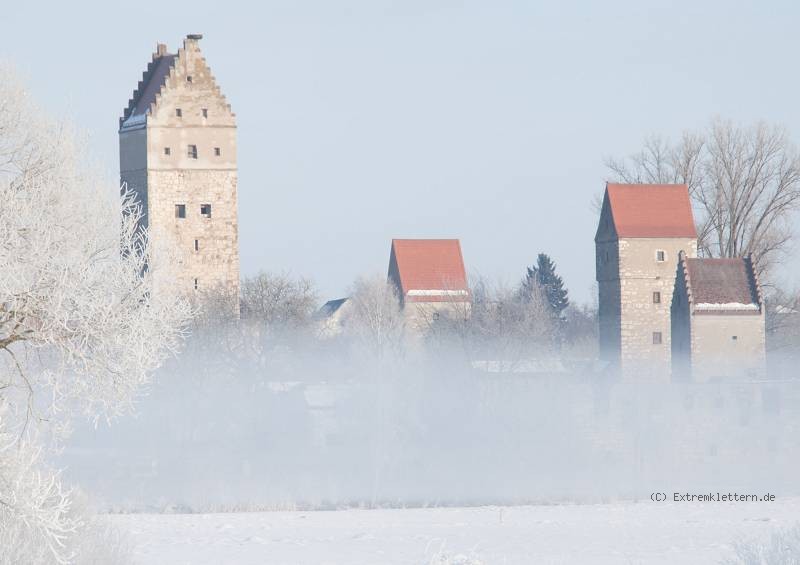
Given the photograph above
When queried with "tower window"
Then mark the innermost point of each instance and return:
(661, 255)
(192, 152)
(217, 151)
(167, 151)
(180, 210)
(197, 245)
(205, 210)
(205, 112)
(178, 112)
(656, 338)
(656, 297)
(196, 284)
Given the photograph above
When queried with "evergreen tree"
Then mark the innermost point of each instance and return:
(543, 276)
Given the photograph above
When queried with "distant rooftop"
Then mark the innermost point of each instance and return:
(429, 270)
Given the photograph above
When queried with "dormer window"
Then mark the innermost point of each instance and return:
(179, 112)
(192, 152)
(661, 255)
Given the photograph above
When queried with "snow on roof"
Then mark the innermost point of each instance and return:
(650, 210)
(725, 306)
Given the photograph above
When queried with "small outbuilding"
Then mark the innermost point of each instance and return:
(718, 320)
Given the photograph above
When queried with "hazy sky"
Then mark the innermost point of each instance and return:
(360, 121)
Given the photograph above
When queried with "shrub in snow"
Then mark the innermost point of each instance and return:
(783, 548)
(445, 558)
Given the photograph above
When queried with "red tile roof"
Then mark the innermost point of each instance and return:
(729, 282)
(419, 265)
(651, 210)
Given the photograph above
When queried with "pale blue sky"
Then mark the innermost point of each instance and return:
(360, 121)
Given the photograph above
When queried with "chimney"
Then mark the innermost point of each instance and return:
(161, 49)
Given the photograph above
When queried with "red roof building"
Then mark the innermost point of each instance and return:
(647, 210)
(428, 270)
(642, 230)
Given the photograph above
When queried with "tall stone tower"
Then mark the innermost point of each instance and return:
(642, 230)
(177, 141)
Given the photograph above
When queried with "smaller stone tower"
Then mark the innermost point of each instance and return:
(177, 141)
(642, 230)
(718, 320)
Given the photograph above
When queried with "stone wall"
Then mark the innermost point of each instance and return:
(629, 273)
(726, 345)
(207, 247)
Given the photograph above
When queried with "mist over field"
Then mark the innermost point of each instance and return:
(293, 422)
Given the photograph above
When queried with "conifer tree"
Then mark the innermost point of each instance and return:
(543, 277)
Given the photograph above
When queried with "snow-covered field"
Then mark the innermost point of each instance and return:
(644, 532)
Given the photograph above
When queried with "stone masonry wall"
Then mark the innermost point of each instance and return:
(727, 345)
(640, 276)
(213, 261)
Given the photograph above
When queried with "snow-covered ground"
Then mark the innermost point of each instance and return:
(644, 532)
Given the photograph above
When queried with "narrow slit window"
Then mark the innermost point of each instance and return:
(656, 297)
(179, 112)
(217, 152)
(205, 210)
(167, 151)
(196, 284)
(656, 338)
(192, 152)
(197, 245)
(180, 210)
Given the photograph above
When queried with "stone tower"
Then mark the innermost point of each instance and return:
(177, 141)
(642, 230)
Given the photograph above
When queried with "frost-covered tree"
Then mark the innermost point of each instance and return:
(375, 321)
(504, 326)
(744, 183)
(278, 299)
(83, 320)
